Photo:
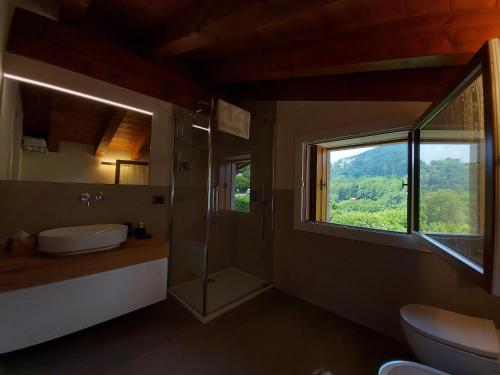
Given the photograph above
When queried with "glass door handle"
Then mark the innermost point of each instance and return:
(214, 203)
(216, 198)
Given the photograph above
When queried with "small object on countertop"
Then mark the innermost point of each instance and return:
(141, 233)
(22, 244)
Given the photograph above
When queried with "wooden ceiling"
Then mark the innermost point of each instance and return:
(241, 45)
(59, 117)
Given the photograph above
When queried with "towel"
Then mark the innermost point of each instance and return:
(233, 120)
(34, 144)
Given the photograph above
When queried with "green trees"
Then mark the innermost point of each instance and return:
(242, 202)
(367, 190)
(242, 179)
(444, 211)
(242, 189)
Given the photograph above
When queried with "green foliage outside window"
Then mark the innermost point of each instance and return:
(242, 189)
(366, 190)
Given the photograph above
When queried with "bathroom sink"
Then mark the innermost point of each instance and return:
(407, 368)
(82, 239)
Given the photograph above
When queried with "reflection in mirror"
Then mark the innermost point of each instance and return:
(452, 174)
(57, 137)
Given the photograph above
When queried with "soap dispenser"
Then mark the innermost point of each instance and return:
(141, 233)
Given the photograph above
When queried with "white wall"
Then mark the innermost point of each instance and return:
(297, 118)
(361, 281)
(75, 162)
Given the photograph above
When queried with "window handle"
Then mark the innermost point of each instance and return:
(403, 184)
(322, 183)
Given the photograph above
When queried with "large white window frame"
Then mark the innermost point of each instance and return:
(367, 131)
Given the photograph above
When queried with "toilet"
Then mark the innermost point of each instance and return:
(407, 368)
(454, 343)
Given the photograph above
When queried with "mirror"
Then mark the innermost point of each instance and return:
(53, 136)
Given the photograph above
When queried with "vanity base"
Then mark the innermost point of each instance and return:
(34, 315)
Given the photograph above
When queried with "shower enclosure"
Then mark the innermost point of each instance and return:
(222, 188)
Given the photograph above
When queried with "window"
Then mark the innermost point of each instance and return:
(241, 190)
(367, 186)
(130, 172)
(434, 184)
(361, 182)
(454, 204)
(234, 185)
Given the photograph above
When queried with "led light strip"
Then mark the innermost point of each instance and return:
(76, 93)
(201, 127)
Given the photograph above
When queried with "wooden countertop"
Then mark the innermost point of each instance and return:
(39, 268)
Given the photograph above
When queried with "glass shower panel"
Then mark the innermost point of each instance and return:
(189, 207)
(240, 225)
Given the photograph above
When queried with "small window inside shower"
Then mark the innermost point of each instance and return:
(234, 185)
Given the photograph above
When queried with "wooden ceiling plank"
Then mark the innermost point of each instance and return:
(467, 4)
(205, 31)
(379, 11)
(54, 43)
(73, 11)
(138, 146)
(110, 131)
(420, 7)
(426, 41)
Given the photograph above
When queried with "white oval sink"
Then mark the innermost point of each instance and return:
(82, 239)
(407, 368)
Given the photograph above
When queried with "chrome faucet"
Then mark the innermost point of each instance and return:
(85, 197)
(99, 196)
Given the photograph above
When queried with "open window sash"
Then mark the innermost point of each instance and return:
(455, 217)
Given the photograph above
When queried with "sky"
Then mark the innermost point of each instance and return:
(427, 152)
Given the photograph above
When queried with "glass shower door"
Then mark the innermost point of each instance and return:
(240, 225)
(221, 212)
(189, 208)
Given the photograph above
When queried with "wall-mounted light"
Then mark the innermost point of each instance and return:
(76, 93)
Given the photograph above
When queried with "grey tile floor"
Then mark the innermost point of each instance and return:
(274, 333)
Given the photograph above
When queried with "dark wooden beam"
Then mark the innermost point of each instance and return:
(137, 148)
(425, 85)
(202, 25)
(73, 11)
(449, 38)
(112, 126)
(54, 43)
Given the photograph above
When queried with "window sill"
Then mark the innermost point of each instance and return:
(380, 237)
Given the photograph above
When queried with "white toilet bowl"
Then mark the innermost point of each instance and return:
(455, 343)
(407, 368)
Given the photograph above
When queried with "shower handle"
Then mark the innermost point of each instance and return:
(214, 203)
(262, 220)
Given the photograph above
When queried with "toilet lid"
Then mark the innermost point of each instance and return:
(475, 335)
